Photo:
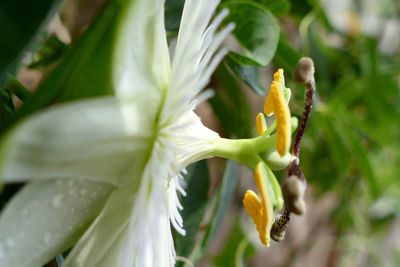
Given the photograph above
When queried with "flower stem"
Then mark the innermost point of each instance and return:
(310, 85)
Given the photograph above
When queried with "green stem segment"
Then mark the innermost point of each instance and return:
(245, 151)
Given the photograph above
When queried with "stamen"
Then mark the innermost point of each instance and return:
(260, 209)
(278, 76)
(294, 185)
(276, 102)
(261, 124)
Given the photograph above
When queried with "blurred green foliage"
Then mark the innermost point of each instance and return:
(20, 21)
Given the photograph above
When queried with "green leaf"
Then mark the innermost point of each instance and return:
(229, 101)
(50, 51)
(10, 87)
(219, 205)
(223, 199)
(20, 21)
(361, 158)
(286, 56)
(194, 207)
(7, 108)
(277, 7)
(247, 73)
(17, 88)
(256, 30)
(85, 67)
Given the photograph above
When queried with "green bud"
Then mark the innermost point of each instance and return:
(276, 162)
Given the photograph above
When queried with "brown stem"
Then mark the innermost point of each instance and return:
(310, 85)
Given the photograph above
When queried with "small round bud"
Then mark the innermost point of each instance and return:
(279, 226)
(293, 187)
(293, 193)
(304, 70)
(277, 236)
(299, 207)
(276, 162)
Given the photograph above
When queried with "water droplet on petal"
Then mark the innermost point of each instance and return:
(10, 242)
(47, 238)
(56, 201)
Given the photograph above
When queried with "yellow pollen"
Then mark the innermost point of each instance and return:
(260, 209)
(276, 103)
(261, 124)
(278, 76)
(280, 79)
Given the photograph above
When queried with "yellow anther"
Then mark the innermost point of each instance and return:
(278, 76)
(280, 79)
(260, 209)
(282, 117)
(269, 104)
(276, 103)
(261, 124)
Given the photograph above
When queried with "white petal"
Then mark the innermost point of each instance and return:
(46, 218)
(103, 242)
(197, 42)
(150, 240)
(102, 139)
(141, 59)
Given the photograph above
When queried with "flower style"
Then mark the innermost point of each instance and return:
(103, 173)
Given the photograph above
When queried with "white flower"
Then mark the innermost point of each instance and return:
(104, 172)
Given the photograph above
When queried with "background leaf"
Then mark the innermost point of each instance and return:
(277, 7)
(194, 204)
(20, 21)
(256, 30)
(173, 13)
(258, 33)
(84, 69)
(237, 249)
(230, 104)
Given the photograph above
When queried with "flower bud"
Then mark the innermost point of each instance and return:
(276, 162)
(304, 70)
(293, 193)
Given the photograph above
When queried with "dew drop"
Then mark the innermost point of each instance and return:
(47, 238)
(10, 242)
(56, 201)
(83, 191)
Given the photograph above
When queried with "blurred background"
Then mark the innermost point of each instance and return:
(350, 154)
